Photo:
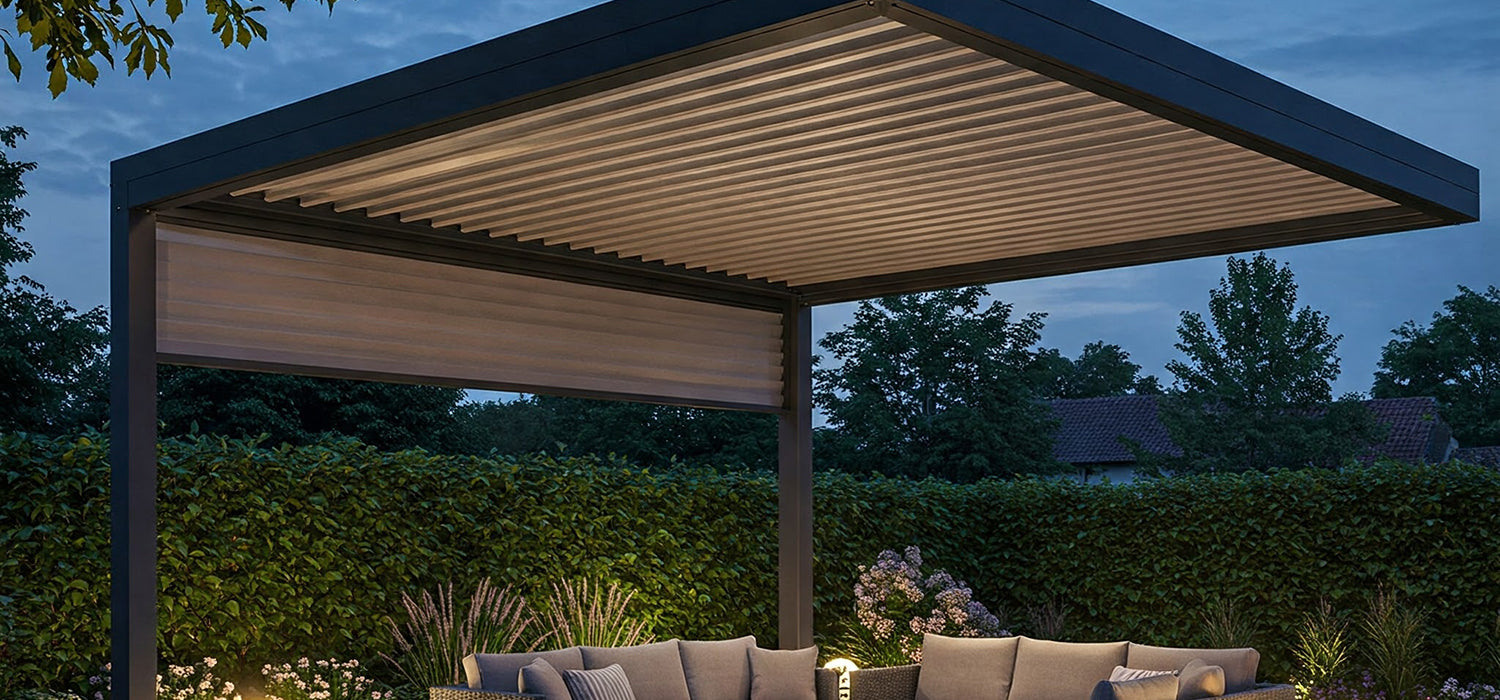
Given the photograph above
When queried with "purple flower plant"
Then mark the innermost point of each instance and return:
(897, 604)
(1365, 688)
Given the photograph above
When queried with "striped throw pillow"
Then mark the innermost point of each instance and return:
(1129, 674)
(608, 683)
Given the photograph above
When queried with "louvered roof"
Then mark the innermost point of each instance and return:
(827, 151)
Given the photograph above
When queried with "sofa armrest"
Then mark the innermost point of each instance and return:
(1263, 691)
(889, 683)
(463, 692)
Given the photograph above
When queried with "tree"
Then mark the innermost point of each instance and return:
(1455, 360)
(1100, 370)
(53, 362)
(77, 32)
(933, 385)
(1255, 390)
(301, 410)
(646, 434)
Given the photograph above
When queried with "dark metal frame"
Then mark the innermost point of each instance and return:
(624, 41)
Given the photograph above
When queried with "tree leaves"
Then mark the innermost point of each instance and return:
(1455, 359)
(934, 385)
(1254, 392)
(75, 32)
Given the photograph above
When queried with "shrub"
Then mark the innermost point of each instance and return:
(896, 603)
(324, 679)
(1395, 645)
(590, 614)
(1227, 626)
(436, 636)
(1323, 648)
(267, 552)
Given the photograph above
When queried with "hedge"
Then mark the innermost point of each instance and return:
(267, 554)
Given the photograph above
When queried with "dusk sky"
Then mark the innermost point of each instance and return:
(1429, 70)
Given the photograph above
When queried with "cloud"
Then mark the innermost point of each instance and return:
(1456, 46)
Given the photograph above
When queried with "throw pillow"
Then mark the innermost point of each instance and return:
(1163, 687)
(540, 678)
(1239, 664)
(1129, 674)
(608, 683)
(783, 675)
(1198, 680)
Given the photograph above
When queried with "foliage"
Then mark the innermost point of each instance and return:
(1255, 390)
(77, 33)
(1324, 648)
(431, 643)
(324, 679)
(53, 363)
(301, 410)
(1049, 620)
(1455, 359)
(1100, 370)
(590, 614)
(896, 602)
(1492, 651)
(934, 385)
(267, 553)
(1227, 626)
(1395, 645)
(642, 433)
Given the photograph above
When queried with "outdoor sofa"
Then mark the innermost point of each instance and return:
(1007, 668)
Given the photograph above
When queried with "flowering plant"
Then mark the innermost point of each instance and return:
(192, 682)
(896, 603)
(325, 679)
(1367, 688)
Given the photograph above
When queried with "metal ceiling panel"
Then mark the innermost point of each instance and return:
(871, 149)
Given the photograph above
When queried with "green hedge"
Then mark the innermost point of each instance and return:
(269, 554)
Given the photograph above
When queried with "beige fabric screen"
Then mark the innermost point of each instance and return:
(236, 300)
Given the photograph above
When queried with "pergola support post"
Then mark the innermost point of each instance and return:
(132, 450)
(795, 495)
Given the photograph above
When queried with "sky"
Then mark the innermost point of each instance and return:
(1428, 70)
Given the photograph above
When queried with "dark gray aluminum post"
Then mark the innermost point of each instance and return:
(795, 525)
(132, 448)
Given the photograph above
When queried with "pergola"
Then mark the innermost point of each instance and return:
(645, 200)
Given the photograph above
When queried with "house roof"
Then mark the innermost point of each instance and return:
(1416, 432)
(1488, 456)
(1091, 430)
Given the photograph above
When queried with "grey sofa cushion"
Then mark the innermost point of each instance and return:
(654, 670)
(717, 670)
(1062, 670)
(965, 668)
(783, 675)
(1198, 680)
(608, 683)
(540, 678)
(1239, 664)
(1162, 687)
(500, 671)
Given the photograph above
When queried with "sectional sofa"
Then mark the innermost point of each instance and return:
(1008, 668)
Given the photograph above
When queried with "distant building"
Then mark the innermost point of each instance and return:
(1092, 432)
(1487, 456)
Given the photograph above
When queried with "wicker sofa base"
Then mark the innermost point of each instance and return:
(900, 683)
